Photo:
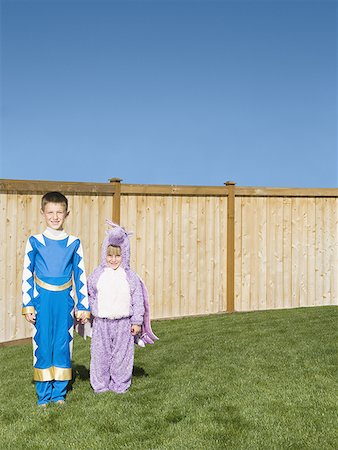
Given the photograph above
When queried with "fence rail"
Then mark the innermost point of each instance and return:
(200, 249)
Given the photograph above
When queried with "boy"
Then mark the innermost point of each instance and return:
(119, 304)
(51, 260)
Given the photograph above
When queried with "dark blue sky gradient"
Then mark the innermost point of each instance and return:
(170, 92)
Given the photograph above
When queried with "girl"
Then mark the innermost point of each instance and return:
(119, 304)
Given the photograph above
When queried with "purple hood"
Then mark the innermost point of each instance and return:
(118, 237)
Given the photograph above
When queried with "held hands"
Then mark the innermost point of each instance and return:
(82, 317)
(135, 329)
(30, 317)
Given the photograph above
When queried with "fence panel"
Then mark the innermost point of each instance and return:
(179, 249)
(286, 252)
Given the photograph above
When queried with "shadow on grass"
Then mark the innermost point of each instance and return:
(82, 373)
(139, 372)
(78, 372)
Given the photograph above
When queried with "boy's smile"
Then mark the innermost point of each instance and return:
(55, 215)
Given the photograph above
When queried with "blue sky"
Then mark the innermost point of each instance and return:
(193, 92)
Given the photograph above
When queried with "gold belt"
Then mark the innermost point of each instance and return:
(52, 287)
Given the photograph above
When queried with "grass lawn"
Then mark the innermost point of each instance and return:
(264, 380)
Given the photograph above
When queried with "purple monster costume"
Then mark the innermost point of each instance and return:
(114, 311)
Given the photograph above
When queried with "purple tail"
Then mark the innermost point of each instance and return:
(147, 334)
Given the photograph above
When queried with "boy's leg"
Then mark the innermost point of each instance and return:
(44, 391)
(100, 354)
(42, 349)
(121, 367)
(59, 390)
(62, 343)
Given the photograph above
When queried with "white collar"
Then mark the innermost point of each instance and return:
(57, 235)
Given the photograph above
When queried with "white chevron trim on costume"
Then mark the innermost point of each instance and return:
(26, 274)
(29, 247)
(85, 302)
(71, 331)
(80, 251)
(25, 287)
(71, 239)
(83, 290)
(40, 238)
(81, 264)
(34, 345)
(83, 278)
(25, 298)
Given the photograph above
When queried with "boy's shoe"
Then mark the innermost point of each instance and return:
(60, 402)
(43, 405)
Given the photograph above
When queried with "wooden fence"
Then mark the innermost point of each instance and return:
(200, 249)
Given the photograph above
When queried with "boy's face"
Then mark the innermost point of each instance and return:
(113, 261)
(55, 215)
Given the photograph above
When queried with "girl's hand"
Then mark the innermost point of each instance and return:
(82, 318)
(135, 329)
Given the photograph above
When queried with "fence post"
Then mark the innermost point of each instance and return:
(231, 247)
(116, 199)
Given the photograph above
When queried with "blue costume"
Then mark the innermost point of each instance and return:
(53, 277)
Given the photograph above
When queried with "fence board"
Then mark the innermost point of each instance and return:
(287, 252)
(208, 262)
(311, 251)
(3, 261)
(176, 258)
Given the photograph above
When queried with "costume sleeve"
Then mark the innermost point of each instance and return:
(80, 281)
(137, 300)
(28, 278)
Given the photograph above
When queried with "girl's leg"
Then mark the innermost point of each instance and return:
(100, 352)
(121, 367)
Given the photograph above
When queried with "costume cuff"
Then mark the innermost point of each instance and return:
(28, 310)
(135, 321)
(52, 373)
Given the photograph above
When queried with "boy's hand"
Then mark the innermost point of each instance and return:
(82, 317)
(135, 329)
(30, 317)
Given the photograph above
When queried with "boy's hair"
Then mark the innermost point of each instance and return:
(53, 197)
(113, 250)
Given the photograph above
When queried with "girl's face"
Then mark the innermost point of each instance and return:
(113, 260)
